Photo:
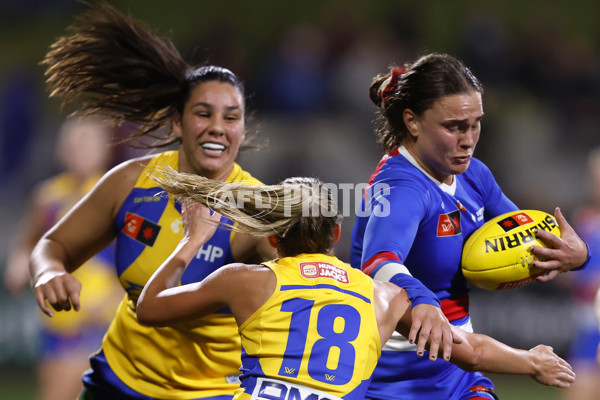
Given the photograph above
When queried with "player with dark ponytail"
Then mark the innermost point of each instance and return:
(110, 64)
(430, 114)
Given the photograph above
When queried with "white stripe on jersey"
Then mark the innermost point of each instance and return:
(388, 271)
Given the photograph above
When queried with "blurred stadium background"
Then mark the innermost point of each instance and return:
(307, 67)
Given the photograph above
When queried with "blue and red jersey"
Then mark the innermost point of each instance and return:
(412, 219)
(410, 231)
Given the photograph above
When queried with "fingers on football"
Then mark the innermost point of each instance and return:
(546, 262)
(548, 276)
(550, 239)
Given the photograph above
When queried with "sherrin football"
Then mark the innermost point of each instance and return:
(497, 257)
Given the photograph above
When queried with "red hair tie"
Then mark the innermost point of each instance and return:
(386, 90)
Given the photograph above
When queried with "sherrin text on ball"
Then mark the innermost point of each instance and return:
(497, 256)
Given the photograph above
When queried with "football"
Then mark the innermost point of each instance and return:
(497, 257)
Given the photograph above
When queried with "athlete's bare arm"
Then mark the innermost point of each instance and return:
(397, 315)
(241, 287)
(81, 233)
(475, 352)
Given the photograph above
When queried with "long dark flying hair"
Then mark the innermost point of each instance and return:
(118, 67)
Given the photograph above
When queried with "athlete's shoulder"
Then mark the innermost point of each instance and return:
(396, 170)
(480, 178)
(477, 168)
(136, 172)
(134, 164)
(118, 182)
(400, 179)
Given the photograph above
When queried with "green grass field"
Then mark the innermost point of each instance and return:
(522, 388)
(19, 384)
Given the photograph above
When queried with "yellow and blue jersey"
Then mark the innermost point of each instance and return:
(317, 334)
(198, 359)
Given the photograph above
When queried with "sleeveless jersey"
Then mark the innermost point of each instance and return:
(60, 194)
(317, 330)
(191, 360)
(424, 223)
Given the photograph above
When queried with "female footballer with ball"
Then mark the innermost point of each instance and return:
(312, 327)
(435, 194)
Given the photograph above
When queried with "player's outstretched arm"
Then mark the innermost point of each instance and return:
(81, 233)
(472, 352)
(563, 253)
(485, 354)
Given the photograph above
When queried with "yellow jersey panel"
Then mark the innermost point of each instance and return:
(317, 330)
(193, 360)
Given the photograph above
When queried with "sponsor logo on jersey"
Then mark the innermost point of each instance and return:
(140, 229)
(510, 223)
(147, 199)
(313, 270)
(516, 239)
(449, 224)
(210, 252)
(480, 214)
(273, 389)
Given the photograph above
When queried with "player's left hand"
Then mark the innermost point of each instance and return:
(563, 253)
(431, 328)
(199, 222)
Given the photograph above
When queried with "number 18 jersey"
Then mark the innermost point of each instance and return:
(318, 330)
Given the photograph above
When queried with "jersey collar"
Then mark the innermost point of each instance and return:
(450, 189)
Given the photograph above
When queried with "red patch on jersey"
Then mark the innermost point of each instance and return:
(449, 224)
(140, 229)
(314, 270)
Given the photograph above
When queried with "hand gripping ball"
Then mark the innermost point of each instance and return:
(497, 257)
